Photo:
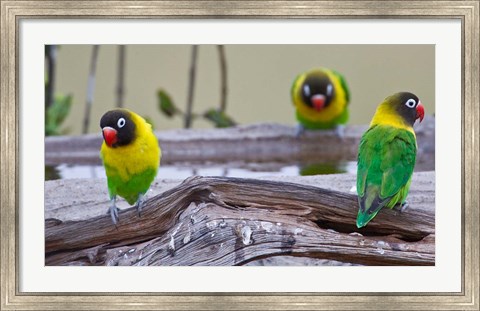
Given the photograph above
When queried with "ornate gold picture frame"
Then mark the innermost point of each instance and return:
(12, 12)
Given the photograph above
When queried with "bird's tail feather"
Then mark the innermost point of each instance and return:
(370, 205)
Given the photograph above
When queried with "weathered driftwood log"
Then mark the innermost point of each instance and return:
(231, 221)
(248, 143)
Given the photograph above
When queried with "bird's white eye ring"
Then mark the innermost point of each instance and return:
(329, 89)
(121, 122)
(410, 103)
(306, 90)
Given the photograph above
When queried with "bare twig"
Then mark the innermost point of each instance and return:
(191, 87)
(51, 58)
(223, 77)
(121, 75)
(90, 88)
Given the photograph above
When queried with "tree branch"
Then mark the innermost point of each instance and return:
(231, 221)
(245, 143)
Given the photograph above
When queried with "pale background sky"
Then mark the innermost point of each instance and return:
(259, 79)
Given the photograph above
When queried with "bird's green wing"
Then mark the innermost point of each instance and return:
(344, 85)
(385, 164)
(294, 87)
(397, 163)
(365, 152)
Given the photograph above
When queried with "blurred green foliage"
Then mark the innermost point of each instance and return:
(56, 114)
(167, 106)
(219, 118)
(57, 106)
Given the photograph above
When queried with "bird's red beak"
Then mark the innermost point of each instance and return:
(109, 135)
(420, 112)
(318, 101)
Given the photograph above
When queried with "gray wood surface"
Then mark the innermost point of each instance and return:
(245, 143)
(232, 221)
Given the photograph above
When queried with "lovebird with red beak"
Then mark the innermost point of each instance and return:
(321, 98)
(386, 156)
(130, 155)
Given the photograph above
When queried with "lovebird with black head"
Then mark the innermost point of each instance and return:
(131, 156)
(321, 97)
(386, 156)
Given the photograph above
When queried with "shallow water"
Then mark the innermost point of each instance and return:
(250, 170)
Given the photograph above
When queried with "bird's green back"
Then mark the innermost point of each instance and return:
(386, 160)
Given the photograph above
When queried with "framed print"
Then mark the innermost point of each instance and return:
(279, 242)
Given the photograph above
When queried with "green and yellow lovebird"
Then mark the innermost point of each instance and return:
(320, 97)
(386, 156)
(130, 155)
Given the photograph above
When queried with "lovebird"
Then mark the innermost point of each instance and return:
(131, 156)
(386, 156)
(321, 98)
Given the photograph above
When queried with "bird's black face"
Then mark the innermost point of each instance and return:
(408, 106)
(317, 91)
(117, 127)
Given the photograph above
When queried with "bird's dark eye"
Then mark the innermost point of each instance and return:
(121, 122)
(410, 103)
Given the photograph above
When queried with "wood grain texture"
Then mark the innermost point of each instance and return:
(231, 221)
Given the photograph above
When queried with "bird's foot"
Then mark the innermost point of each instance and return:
(141, 200)
(340, 131)
(113, 211)
(299, 130)
(401, 207)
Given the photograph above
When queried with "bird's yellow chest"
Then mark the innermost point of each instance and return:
(124, 161)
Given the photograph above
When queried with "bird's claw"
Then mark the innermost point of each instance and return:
(113, 211)
(402, 207)
(340, 131)
(299, 130)
(139, 204)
